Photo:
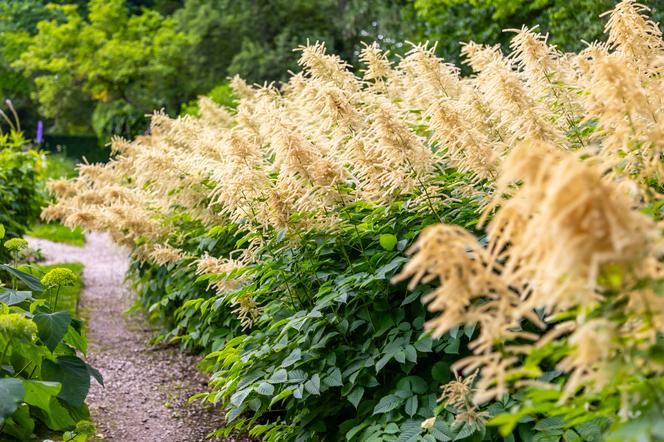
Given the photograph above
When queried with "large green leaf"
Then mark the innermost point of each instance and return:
(15, 297)
(31, 281)
(39, 393)
(11, 393)
(58, 418)
(52, 327)
(74, 376)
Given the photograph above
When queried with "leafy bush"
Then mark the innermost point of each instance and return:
(43, 381)
(272, 237)
(22, 189)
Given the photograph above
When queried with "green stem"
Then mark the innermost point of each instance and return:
(57, 295)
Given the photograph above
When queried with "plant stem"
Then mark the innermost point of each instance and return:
(57, 295)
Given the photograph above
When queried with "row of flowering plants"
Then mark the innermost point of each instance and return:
(341, 247)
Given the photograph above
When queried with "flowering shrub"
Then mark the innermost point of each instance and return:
(267, 237)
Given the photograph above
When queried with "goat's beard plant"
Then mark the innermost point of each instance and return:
(563, 151)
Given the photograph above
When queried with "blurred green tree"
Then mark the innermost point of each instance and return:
(255, 38)
(569, 22)
(106, 69)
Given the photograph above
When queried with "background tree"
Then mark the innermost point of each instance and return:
(109, 64)
(570, 22)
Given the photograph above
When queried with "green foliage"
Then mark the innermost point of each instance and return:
(110, 64)
(22, 192)
(255, 38)
(43, 380)
(222, 94)
(59, 166)
(337, 351)
(69, 295)
(570, 23)
(56, 232)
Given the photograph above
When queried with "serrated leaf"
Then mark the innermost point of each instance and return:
(410, 431)
(334, 378)
(355, 396)
(265, 388)
(292, 358)
(387, 404)
(239, 396)
(297, 376)
(411, 406)
(313, 385)
(279, 376)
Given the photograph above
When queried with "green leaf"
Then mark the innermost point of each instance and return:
(313, 385)
(76, 340)
(355, 396)
(388, 241)
(334, 378)
(31, 281)
(74, 376)
(411, 406)
(297, 376)
(279, 376)
(265, 388)
(284, 394)
(11, 392)
(410, 431)
(292, 358)
(239, 396)
(549, 436)
(15, 297)
(58, 418)
(550, 423)
(39, 393)
(355, 430)
(2, 231)
(387, 404)
(52, 327)
(411, 353)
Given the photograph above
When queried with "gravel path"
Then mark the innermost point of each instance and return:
(145, 398)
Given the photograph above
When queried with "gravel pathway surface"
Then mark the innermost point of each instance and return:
(146, 391)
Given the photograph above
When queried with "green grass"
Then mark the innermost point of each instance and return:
(58, 233)
(69, 296)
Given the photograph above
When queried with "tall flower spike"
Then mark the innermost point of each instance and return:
(322, 66)
(633, 34)
(378, 69)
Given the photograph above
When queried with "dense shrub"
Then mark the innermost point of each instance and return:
(43, 380)
(22, 185)
(272, 237)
